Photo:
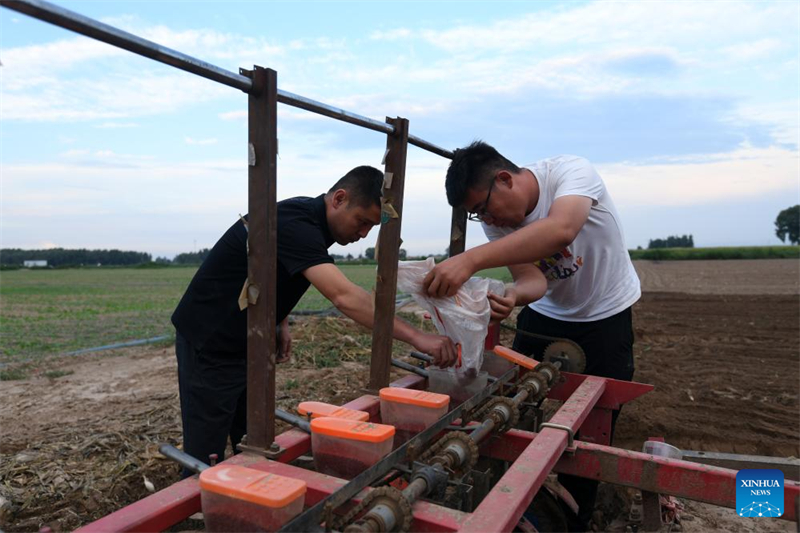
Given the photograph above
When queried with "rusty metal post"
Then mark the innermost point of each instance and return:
(458, 231)
(651, 511)
(389, 252)
(262, 265)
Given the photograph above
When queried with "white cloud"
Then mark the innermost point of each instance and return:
(89, 157)
(757, 49)
(782, 117)
(110, 97)
(58, 55)
(710, 179)
(74, 153)
(90, 80)
(233, 115)
(575, 50)
(200, 142)
(117, 125)
(610, 24)
(391, 35)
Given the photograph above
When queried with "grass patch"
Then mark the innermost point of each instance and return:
(13, 374)
(55, 374)
(291, 384)
(53, 311)
(501, 273)
(730, 252)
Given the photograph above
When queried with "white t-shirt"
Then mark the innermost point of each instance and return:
(592, 278)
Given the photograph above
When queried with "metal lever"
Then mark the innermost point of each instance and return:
(182, 458)
(297, 421)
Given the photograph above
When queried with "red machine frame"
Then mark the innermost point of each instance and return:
(588, 401)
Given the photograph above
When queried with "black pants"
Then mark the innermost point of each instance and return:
(213, 390)
(608, 345)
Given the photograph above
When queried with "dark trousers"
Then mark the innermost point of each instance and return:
(608, 345)
(213, 400)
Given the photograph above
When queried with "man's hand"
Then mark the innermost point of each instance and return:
(439, 347)
(284, 342)
(448, 276)
(502, 305)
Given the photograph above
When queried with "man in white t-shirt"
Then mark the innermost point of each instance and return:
(555, 227)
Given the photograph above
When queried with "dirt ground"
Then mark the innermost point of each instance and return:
(720, 340)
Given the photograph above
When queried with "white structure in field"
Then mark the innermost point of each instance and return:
(35, 263)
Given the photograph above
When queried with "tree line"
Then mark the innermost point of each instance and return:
(787, 227)
(673, 241)
(187, 258)
(62, 257)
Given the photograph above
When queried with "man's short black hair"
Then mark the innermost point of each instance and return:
(364, 186)
(473, 167)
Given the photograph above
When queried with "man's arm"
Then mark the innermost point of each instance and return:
(529, 285)
(284, 342)
(540, 239)
(358, 304)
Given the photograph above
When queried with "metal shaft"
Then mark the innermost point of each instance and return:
(451, 458)
(182, 458)
(408, 366)
(297, 421)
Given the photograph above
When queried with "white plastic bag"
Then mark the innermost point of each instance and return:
(463, 317)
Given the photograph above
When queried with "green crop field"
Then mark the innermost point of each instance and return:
(722, 252)
(56, 311)
(47, 312)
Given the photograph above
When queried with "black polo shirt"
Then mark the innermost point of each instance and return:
(208, 315)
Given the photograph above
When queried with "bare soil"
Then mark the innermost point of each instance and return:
(720, 340)
(742, 276)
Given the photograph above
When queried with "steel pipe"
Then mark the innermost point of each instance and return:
(430, 147)
(411, 368)
(182, 458)
(297, 421)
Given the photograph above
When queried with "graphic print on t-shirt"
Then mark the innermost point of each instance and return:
(562, 265)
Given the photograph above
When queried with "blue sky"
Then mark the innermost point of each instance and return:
(689, 110)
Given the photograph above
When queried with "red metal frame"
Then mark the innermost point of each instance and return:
(682, 479)
(503, 506)
(588, 404)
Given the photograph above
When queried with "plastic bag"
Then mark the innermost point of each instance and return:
(463, 317)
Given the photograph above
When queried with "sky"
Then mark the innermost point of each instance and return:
(690, 111)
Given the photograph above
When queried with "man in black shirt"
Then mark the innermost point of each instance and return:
(211, 338)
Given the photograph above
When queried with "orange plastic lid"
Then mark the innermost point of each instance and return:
(318, 409)
(515, 357)
(352, 429)
(421, 398)
(261, 488)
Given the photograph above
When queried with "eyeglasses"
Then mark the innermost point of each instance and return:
(480, 213)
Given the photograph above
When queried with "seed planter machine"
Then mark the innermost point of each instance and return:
(438, 480)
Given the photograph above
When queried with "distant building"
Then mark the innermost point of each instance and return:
(35, 263)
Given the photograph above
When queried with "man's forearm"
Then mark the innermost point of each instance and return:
(360, 306)
(527, 291)
(541, 239)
